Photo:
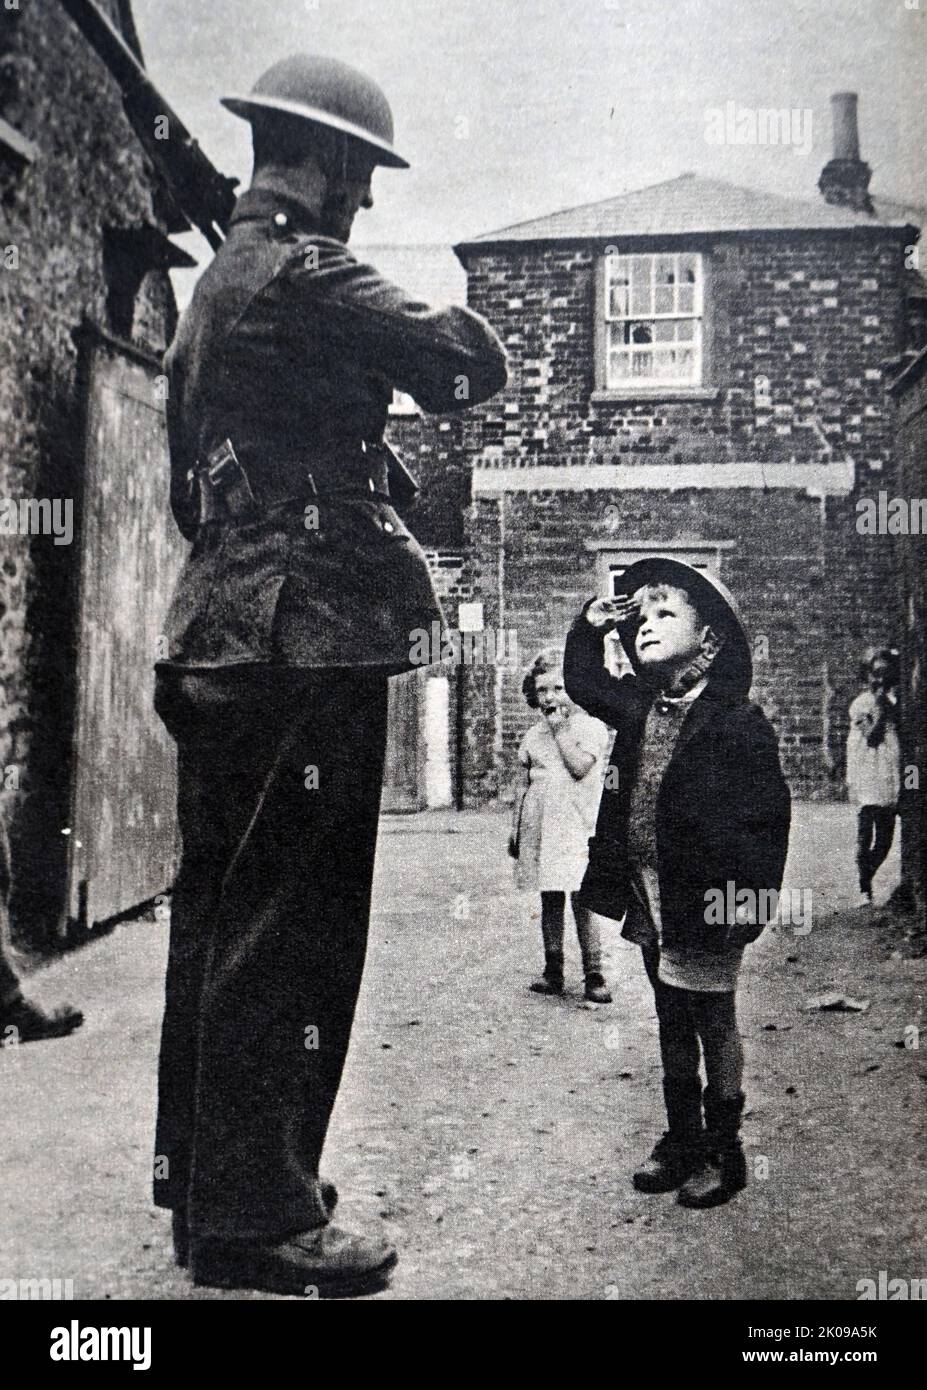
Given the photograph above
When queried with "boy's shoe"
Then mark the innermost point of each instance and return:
(181, 1233)
(597, 992)
(724, 1170)
(325, 1262)
(548, 984)
(720, 1177)
(863, 899)
(682, 1148)
(32, 1023)
(673, 1160)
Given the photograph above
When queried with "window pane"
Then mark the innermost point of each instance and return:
(620, 301)
(663, 299)
(640, 297)
(687, 364)
(665, 270)
(642, 364)
(641, 332)
(686, 295)
(688, 270)
(618, 366)
(685, 330)
(665, 331)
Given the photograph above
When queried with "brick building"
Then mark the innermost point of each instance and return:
(697, 369)
(83, 253)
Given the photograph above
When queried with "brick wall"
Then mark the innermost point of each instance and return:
(88, 174)
(818, 315)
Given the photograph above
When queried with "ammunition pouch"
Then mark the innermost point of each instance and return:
(221, 488)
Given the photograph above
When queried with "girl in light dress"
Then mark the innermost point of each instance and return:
(562, 758)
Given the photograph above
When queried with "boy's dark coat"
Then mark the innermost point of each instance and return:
(723, 810)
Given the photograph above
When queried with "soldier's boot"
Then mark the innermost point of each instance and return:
(551, 982)
(680, 1151)
(325, 1262)
(723, 1171)
(181, 1233)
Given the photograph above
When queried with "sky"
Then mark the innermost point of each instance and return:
(508, 109)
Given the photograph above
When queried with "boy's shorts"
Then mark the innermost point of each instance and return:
(706, 972)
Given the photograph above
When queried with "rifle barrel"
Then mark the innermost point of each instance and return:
(203, 194)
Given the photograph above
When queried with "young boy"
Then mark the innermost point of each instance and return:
(694, 802)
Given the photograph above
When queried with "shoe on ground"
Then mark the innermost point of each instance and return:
(547, 985)
(720, 1177)
(181, 1233)
(863, 899)
(674, 1159)
(32, 1023)
(597, 991)
(325, 1262)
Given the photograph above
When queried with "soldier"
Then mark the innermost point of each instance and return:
(297, 601)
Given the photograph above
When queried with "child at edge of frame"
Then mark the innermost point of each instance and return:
(695, 810)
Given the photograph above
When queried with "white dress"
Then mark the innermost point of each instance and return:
(873, 774)
(559, 811)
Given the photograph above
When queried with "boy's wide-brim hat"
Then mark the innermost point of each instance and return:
(734, 663)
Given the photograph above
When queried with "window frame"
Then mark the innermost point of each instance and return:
(640, 388)
(651, 315)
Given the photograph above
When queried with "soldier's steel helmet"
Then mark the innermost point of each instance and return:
(328, 92)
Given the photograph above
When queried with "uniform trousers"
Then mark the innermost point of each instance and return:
(279, 779)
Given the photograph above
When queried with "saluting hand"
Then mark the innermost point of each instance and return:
(609, 613)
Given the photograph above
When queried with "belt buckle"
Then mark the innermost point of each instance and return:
(222, 466)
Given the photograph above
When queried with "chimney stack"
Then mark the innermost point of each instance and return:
(844, 181)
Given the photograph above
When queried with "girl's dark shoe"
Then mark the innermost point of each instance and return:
(724, 1170)
(673, 1160)
(552, 980)
(182, 1235)
(597, 992)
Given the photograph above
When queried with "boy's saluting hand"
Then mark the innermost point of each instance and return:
(610, 613)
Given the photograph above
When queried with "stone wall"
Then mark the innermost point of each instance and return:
(58, 265)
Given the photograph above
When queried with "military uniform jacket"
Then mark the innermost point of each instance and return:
(291, 349)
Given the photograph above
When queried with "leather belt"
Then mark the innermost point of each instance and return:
(228, 491)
